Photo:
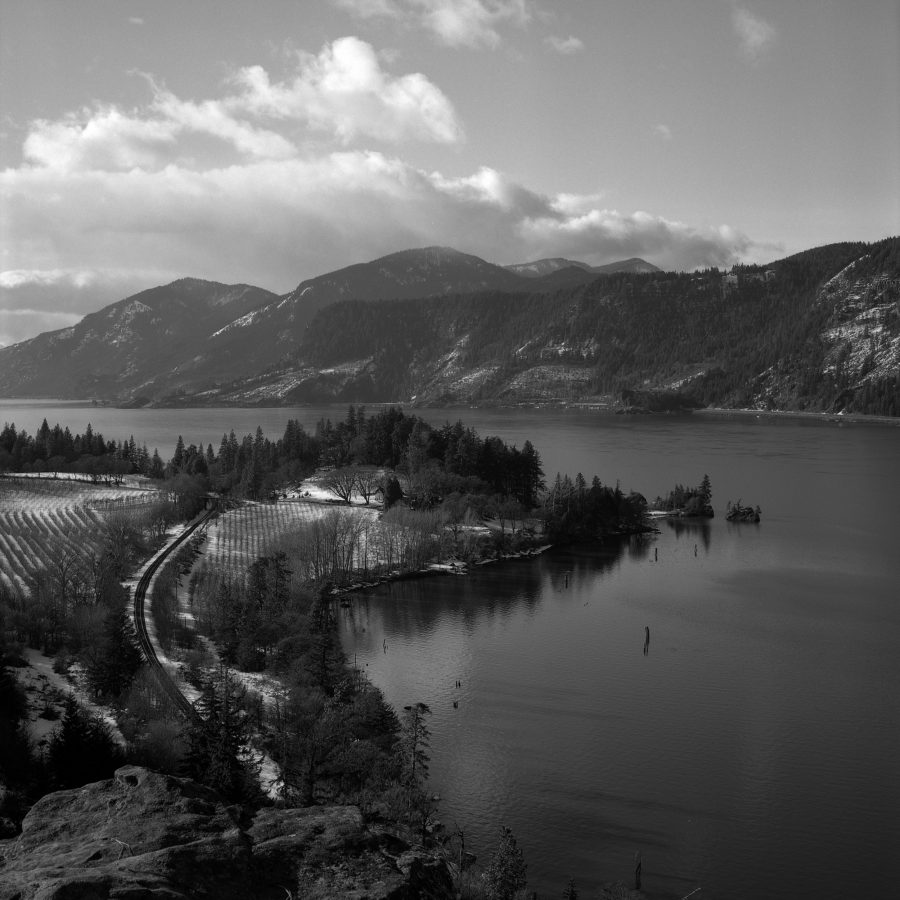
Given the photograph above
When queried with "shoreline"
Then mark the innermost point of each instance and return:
(456, 567)
(587, 405)
(803, 415)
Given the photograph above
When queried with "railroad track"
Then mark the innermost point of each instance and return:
(166, 682)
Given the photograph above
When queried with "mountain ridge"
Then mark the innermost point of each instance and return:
(469, 331)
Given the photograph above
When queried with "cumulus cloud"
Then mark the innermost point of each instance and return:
(274, 222)
(109, 202)
(345, 90)
(566, 46)
(754, 33)
(342, 92)
(456, 23)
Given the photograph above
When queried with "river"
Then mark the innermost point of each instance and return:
(751, 751)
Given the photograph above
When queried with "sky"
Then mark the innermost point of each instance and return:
(273, 141)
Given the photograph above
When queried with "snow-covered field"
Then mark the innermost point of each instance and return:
(45, 522)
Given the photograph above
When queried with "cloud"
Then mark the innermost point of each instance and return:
(109, 202)
(455, 23)
(663, 131)
(566, 46)
(345, 91)
(274, 222)
(755, 33)
(342, 93)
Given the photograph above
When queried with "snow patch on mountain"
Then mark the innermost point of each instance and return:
(242, 322)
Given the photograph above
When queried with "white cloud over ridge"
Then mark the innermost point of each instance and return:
(455, 23)
(345, 91)
(109, 202)
(342, 93)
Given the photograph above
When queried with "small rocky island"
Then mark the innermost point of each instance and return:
(737, 512)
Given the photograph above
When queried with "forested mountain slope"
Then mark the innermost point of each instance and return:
(135, 346)
(193, 335)
(817, 331)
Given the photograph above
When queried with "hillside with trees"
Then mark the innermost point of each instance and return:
(789, 339)
(818, 330)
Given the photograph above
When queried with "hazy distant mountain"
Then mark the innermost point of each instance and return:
(545, 266)
(635, 264)
(425, 272)
(195, 335)
(542, 267)
(279, 328)
(138, 345)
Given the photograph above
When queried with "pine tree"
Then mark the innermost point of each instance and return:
(705, 490)
(216, 740)
(117, 658)
(178, 457)
(505, 875)
(81, 749)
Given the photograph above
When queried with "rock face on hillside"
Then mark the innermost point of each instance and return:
(143, 835)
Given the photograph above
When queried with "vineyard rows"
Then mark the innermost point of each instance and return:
(46, 493)
(236, 538)
(44, 520)
(32, 538)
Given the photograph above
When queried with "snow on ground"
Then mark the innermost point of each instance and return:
(171, 666)
(47, 688)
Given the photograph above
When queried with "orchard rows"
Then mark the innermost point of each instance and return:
(31, 538)
(44, 520)
(236, 538)
(50, 493)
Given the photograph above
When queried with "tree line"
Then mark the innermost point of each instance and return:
(56, 449)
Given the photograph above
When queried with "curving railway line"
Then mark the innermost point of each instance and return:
(166, 682)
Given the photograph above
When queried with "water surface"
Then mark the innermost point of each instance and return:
(752, 750)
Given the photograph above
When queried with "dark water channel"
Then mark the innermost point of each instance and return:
(753, 750)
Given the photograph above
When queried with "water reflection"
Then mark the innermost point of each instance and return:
(488, 592)
(692, 530)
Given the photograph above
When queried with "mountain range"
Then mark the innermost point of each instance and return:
(817, 330)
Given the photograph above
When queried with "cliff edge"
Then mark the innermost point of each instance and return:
(142, 834)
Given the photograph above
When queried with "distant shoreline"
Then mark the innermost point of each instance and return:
(836, 418)
(586, 405)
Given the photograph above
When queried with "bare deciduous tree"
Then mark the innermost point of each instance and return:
(341, 482)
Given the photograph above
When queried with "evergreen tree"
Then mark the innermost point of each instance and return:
(117, 658)
(414, 742)
(16, 762)
(505, 875)
(178, 456)
(217, 739)
(81, 749)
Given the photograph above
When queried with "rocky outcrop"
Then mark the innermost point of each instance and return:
(737, 513)
(142, 835)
